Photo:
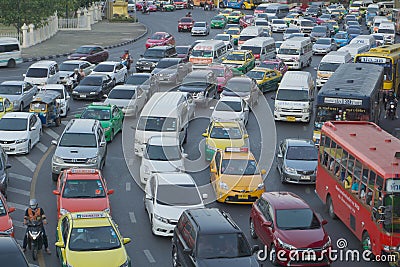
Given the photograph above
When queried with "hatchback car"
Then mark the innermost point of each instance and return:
(247, 20)
(324, 46)
(244, 87)
(284, 223)
(82, 190)
(129, 98)
(20, 93)
(93, 87)
(185, 24)
(6, 223)
(297, 161)
(160, 39)
(117, 71)
(230, 108)
(200, 28)
(223, 74)
(91, 53)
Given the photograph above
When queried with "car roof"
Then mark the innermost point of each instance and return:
(285, 200)
(238, 155)
(239, 79)
(91, 46)
(299, 142)
(125, 87)
(212, 221)
(8, 245)
(52, 86)
(198, 73)
(226, 124)
(89, 219)
(13, 83)
(174, 178)
(75, 61)
(141, 75)
(80, 126)
(43, 63)
(163, 141)
(160, 47)
(172, 59)
(230, 99)
(108, 63)
(22, 115)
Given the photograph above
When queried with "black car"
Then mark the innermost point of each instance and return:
(183, 51)
(11, 253)
(4, 166)
(93, 87)
(201, 84)
(146, 81)
(149, 60)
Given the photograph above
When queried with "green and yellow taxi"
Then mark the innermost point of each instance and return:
(235, 16)
(5, 106)
(291, 16)
(219, 21)
(334, 24)
(110, 116)
(90, 239)
(267, 79)
(220, 135)
(235, 33)
(226, 12)
(240, 60)
(235, 176)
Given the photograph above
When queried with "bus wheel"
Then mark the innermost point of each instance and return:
(329, 205)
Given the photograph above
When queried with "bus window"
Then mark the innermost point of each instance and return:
(326, 145)
(332, 158)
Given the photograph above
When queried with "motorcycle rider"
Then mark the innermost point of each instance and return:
(189, 15)
(35, 213)
(390, 97)
(127, 57)
(82, 73)
(76, 77)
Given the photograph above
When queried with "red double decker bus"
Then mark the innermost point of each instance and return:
(358, 179)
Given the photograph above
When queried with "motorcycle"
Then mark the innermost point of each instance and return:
(190, 6)
(391, 112)
(145, 10)
(69, 83)
(207, 7)
(35, 237)
(127, 62)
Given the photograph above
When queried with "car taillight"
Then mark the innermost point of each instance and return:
(257, 56)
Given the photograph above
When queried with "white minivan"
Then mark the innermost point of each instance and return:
(364, 39)
(328, 65)
(207, 52)
(10, 52)
(249, 33)
(355, 49)
(293, 100)
(388, 31)
(263, 48)
(43, 72)
(296, 52)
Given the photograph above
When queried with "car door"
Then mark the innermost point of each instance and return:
(34, 128)
(191, 105)
(215, 169)
(280, 155)
(141, 98)
(101, 144)
(149, 198)
(245, 109)
(107, 84)
(60, 189)
(117, 118)
(63, 229)
(267, 224)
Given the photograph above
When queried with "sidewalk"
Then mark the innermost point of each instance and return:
(108, 35)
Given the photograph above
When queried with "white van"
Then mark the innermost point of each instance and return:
(263, 48)
(296, 52)
(376, 22)
(207, 52)
(355, 49)
(43, 72)
(278, 10)
(304, 25)
(293, 100)
(364, 39)
(165, 114)
(10, 52)
(388, 31)
(249, 33)
(328, 65)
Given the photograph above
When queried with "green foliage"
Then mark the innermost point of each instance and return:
(118, 18)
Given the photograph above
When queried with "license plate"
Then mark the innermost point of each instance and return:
(6, 148)
(305, 177)
(146, 68)
(82, 96)
(185, 27)
(243, 197)
(290, 118)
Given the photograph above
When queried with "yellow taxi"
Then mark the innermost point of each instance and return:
(5, 106)
(90, 239)
(240, 60)
(267, 79)
(220, 135)
(226, 12)
(235, 33)
(236, 177)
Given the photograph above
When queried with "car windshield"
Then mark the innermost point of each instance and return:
(254, 49)
(372, 10)
(235, 13)
(289, 51)
(305, 219)
(327, 66)
(94, 239)
(233, 106)
(13, 124)
(83, 50)
(233, 32)
(219, 72)
(178, 195)
(291, 30)
(84, 188)
(340, 36)
(319, 29)
(157, 124)
(122, 94)
(104, 68)
(261, 23)
(222, 17)
(235, 57)
(246, 37)
(378, 37)
(91, 81)
(389, 31)
(69, 66)
(353, 31)
(37, 72)
(182, 49)
(154, 53)
(222, 37)
(292, 95)
(10, 89)
(302, 153)
(137, 79)
(238, 86)
(278, 21)
(199, 24)
(163, 64)
(226, 133)
(78, 140)
(352, 22)
(60, 91)
(186, 20)
(325, 16)
(239, 167)
(202, 53)
(38, 106)
(268, 65)
(256, 75)
(306, 23)
(163, 153)
(157, 36)
(97, 114)
(214, 246)
(323, 41)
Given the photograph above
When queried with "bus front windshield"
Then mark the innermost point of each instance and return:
(329, 113)
(384, 62)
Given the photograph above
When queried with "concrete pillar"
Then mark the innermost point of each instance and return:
(32, 39)
(87, 14)
(91, 14)
(95, 11)
(78, 17)
(25, 37)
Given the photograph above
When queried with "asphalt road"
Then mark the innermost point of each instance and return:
(127, 201)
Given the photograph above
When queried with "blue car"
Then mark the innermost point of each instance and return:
(341, 38)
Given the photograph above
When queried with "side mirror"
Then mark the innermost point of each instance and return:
(60, 244)
(185, 155)
(126, 240)
(8, 166)
(110, 192)
(211, 108)
(11, 209)
(267, 224)
(213, 170)
(54, 142)
(245, 136)
(102, 144)
(56, 192)
(324, 222)
(204, 196)
(315, 68)
(204, 134)
(24, 75)
(33, 128)
(280, 155)
(263, 171)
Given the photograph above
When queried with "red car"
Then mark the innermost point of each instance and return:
(139, 6)
(185, 24)
(223, 73)
(82, 190)
(274, 64)
(246, 21)
(152, 8)
(6, 224)
(160, 38)
(291, 231)
(92, 53)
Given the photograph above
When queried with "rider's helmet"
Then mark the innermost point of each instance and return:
(126, 51)
(33, 204)
(76, 70)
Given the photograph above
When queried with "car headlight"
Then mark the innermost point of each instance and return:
(159, 218)
(75, 92)
(107, 210)
(260, 186)
(93, 93)
(57, 159)
(20, 141)
(63, 211)
(305, 110)
(126, 264)
(83, 58)
(223, 186)
(285, 245)
(327, 244)
(92, 160)
(290, 170)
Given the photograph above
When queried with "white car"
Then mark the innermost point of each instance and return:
(129, 98)
(230, 108)
(167, 195)
(19, 132)
(68, 67)
(226, 38)
(117, 71)
(63, 101)
(278, 25)
(162, 154)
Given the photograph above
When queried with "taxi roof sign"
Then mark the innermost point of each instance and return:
(89, 215)
(76, 170)
(237, 149)
(100, 104)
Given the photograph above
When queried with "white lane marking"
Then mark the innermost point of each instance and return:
(20, 177)
(132, 217)
(51, 133)
(148, 255)
(41, 147)
(128, 186)
(18, 191)
(27, 162)
(18, 224)
(17, 206)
